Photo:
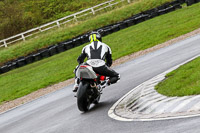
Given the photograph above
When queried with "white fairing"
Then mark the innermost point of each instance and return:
(86, 72)
(95, 62)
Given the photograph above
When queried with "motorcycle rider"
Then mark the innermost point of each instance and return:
(98, 50)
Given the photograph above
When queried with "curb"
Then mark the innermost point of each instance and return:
(144, 103)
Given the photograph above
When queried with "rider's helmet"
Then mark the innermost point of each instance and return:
(95, 36)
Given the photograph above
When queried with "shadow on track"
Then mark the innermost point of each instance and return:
(95, 107)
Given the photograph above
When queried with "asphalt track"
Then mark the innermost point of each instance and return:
(57, 112)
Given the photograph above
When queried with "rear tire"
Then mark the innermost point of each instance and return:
(82, 97)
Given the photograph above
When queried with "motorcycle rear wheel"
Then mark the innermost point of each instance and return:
(83, 101)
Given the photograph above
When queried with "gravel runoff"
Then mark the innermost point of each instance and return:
(34, 95)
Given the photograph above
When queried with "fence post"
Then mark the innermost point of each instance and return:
(58, 24)
(5, 43)
(75, 18)
(40, 29)
(23, 37)
(110, 4)
(93, 11)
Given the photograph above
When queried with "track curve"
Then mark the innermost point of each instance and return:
(57, 112)
(144, 103)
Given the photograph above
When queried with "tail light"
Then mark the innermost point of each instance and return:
(102, 78)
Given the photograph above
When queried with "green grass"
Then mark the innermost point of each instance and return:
(21, 15)
(60, 67)
(182, 81)
(68, 32)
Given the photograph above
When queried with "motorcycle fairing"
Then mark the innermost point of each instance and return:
(86, 72)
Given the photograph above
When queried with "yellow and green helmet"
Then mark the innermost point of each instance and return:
(95, 36)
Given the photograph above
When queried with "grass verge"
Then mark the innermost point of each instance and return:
(183, 81)
(58, 68)
(68, 32)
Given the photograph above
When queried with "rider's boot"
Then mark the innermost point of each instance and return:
(105, 83)
(75, 88)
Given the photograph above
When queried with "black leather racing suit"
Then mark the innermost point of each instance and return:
(99, 50)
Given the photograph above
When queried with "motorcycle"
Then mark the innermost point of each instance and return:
(90, 86)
